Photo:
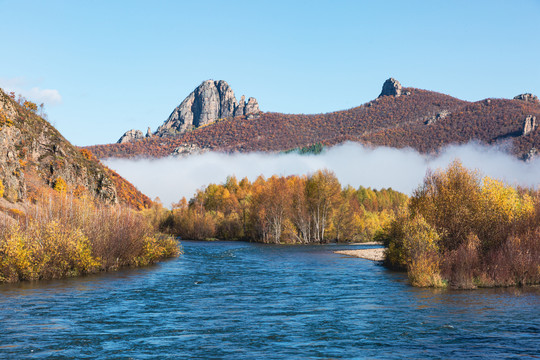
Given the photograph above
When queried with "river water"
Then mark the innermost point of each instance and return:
(250, 301)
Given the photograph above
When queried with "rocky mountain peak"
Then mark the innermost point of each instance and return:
(391, 87)
(130, 135)
(210, 101)
(528, 97)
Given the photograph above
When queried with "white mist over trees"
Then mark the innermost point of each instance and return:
(403, 170)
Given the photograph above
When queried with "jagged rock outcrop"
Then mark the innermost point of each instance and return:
(239, 109)
(391, 87)
(33, 154)
(227, 100)
(252, 106)
(11, 172)
(210, 101)
(527, 97)
(188, 149)
(529, 125)
(531, 155)
(148, 132)
(131, 135)
(439, 116)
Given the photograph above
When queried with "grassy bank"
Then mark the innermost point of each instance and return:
(465, 231)
(60, 235)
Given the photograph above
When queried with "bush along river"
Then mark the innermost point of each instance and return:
(251, 301)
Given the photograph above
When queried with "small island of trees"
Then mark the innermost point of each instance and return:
(466, 231)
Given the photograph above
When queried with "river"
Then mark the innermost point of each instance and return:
(238, 300)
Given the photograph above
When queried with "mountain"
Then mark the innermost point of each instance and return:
(209, 102)
(399, 117)
(35, 157)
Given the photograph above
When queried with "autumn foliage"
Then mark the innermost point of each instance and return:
(467, 231)
(63, 212)
(404, 121)
(4, 120)
(61, 235)
(127, 193)
(293, 209)
(60, 185)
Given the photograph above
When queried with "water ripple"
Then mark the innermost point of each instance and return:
(250, 301)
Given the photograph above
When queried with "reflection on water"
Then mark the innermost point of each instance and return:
(241, 300)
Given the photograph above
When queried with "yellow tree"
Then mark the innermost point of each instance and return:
(30, 106)
(343, 219)
(503, 209)
(322, 192)
(274, 202)
(244, 196)
(300, 215)
(451, 202)
(60, 185)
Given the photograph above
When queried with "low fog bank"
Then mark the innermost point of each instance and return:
(401, 169)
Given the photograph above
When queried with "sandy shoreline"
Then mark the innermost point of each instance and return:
(367, 243)
(369, 254)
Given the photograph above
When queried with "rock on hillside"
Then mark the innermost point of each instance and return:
(529, 125)
(210, 101)
(130, 135)
(528, 97)
(391, 87)
(188, 149)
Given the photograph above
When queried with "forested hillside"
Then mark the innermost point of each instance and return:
(423, 120)
(488, 121)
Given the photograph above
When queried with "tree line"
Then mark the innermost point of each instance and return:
(293, 209)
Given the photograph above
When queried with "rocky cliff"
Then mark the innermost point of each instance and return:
(529, 125)
(527, 97)
(210, 101)
(35, 156)
(391, 87)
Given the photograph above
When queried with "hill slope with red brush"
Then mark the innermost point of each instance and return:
(423, 120)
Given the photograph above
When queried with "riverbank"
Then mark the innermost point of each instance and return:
(367, 243)
(64, 236)
(369, 254)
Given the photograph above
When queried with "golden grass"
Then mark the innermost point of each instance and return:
(62, 236)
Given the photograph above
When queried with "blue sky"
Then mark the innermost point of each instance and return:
(103, 67)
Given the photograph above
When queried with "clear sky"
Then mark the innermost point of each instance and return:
(104, 67)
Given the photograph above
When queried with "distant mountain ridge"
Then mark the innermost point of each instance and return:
(400, 117)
